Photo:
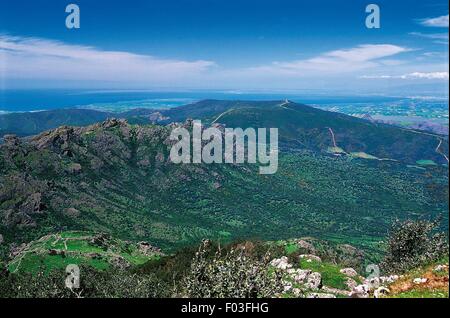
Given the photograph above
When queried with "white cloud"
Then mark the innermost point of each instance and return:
(414, 75)
(439, 38)
(36, 58)
(338, 61)
(435, 36)
(441, 22)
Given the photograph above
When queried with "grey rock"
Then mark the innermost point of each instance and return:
(320, 295)
(310, 258)
(350, 272)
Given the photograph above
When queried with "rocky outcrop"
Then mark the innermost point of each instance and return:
(350, 272)
(281, 263)
(148, 249)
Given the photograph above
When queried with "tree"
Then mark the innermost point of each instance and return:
(412, 244)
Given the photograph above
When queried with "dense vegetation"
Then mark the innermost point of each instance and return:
(88, 195)
(116, 178)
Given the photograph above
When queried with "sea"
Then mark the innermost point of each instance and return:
(433, 108)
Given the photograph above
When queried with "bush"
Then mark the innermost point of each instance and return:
(234, 275)
(412, 244)
(112, 283)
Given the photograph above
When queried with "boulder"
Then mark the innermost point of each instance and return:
(350, 272)
(310, 258)
(314, 281)
(380, 292)
(120, 262)
(308, 247)
(299, 275)
(320, 295)
(148, 249)
(440, 268)
(419, 280)
(351, 283)
(281, 263)
(360, 291)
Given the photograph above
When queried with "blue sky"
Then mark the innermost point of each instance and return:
(219, 44)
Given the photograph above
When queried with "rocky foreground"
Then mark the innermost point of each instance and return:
(306, 283)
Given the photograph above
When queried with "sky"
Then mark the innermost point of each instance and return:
(224, 44)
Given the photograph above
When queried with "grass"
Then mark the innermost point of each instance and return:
(436, 285)
(418, 293)
(75, 248)
(331, 275)
(291, 248)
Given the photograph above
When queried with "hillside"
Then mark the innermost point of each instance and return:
(300, 127)
(115, 177)
(304, 127)
(100, 251)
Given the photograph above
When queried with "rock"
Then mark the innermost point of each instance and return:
(147, 249)
(388, 279)
(299, 275)
(101, 240)
(281, 263)
(372, 283)
(287, 287)
(33, 204)
(11, 140)
(157, 117)
(314, 281)
(380, 292)
(297, 292)
(320, 295)
(308, 247)
(419, 280)
(335, 291)
(360, 291)
(120, 262)
(1, 239)
(310, 258)
(440, 268)
(350, 272)
(351, 283)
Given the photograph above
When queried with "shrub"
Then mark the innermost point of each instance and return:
(233, 275)
(113, 283)
(412, 244)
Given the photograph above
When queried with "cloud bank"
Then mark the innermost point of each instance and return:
(414, 75)
(36, 58)
(338, 61)
(438, 22)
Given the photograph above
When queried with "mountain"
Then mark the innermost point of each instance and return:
(300, 127)
(305, 127)
(116, 178)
